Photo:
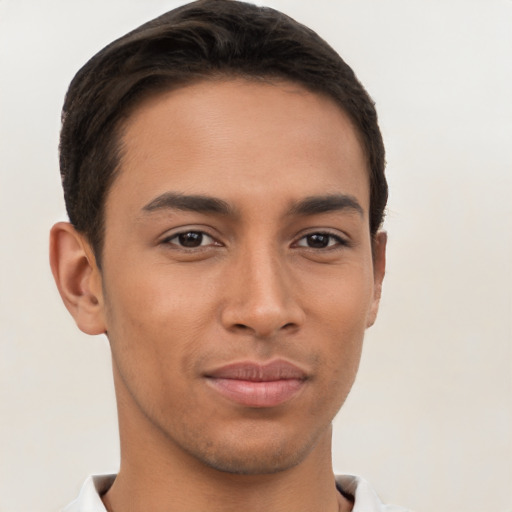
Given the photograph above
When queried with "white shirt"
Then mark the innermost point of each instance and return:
(366, 499)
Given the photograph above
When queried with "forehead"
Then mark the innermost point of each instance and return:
(239, 139)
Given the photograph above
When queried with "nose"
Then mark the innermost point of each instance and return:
(261, 296)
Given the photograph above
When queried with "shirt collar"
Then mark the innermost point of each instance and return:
(365, 498)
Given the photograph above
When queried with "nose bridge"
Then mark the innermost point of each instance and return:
(261, 296)
(266, 279)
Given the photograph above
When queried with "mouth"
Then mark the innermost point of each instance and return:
(258, 385)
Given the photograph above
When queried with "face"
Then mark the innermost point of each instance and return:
(237, 276)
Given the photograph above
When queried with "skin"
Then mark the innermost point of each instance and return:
(258, 286)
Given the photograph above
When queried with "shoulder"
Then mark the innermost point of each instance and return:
(89, 499)
(365, 498)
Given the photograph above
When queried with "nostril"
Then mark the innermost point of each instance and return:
(289, 327)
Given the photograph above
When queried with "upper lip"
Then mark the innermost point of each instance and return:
(258, 372)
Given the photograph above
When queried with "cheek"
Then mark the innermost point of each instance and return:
(345, 301)
(341, 364)
(155, 321)
(341, 315)
(158, 298)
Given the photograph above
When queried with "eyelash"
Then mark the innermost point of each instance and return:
(200, 235)
(333, 240)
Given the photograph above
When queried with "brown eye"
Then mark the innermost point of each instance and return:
(320, 241)
(190, 239)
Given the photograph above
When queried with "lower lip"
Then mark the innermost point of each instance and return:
(257, 394)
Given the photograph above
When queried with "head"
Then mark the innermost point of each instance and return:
(225, 166)
(204, 40)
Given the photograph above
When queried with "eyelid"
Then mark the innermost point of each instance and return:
(204, 236)
(167, 239)
(342, 240)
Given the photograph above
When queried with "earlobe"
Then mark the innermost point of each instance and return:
(77, 277)
(379, 269)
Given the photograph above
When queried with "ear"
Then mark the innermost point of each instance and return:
(379, 269)
(77, 277)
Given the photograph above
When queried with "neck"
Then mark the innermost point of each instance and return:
(294, 490)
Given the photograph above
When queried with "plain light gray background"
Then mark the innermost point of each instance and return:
(429, 421)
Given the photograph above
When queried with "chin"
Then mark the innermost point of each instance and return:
(249, 455)
(252, 464)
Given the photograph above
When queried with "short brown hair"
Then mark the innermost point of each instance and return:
(201, 40)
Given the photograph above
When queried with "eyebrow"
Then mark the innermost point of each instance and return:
(315, 205)
(191, 203)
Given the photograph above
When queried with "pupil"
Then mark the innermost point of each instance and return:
(191, 239)
(318, 241)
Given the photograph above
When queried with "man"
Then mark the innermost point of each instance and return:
(223, 173)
